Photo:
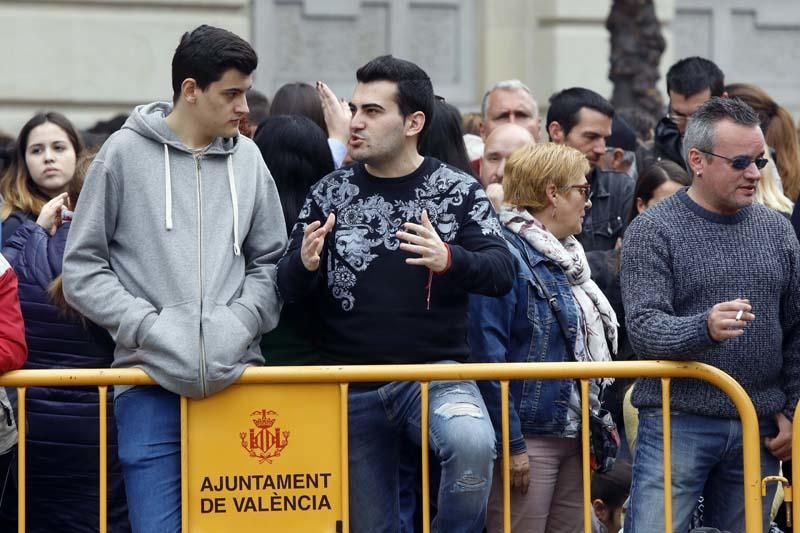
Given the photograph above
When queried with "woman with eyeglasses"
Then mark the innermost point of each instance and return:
(555, 313)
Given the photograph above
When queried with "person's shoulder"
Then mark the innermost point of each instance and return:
(342, 176)
(449, 173)
(246, 147)
(662, 217)
(614, 180)
(773, 216)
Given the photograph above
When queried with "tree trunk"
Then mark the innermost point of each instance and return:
(636, 48)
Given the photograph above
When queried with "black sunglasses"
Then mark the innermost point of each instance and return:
(741, 162)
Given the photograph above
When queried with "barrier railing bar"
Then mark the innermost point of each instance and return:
(424, 403)
(421, 372)
(344, 389)
(667, 443)
(184, 463)
(22, 430)
(505, 474)
(795, 465)
(102, 391)
(586, 468)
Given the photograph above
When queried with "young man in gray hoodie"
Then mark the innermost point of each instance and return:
(173, 249)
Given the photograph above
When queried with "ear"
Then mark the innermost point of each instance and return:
(483, 130)
(617, 156)
(640, 206)
(600, 510)
(724, 94)
(189, 90)
(556, 132)
(697, 162)
(414, 123)
(551, 192)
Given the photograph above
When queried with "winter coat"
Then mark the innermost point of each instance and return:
(62, 423)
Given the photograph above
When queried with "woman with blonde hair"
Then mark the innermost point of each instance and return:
(768, 193)
(555, 313)
(778, 126)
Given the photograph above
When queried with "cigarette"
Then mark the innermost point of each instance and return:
(739, 314)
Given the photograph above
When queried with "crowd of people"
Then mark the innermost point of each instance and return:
(221, 230)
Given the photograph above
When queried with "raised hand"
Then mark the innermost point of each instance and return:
(425, 242)
(50, 215)
(336, 112)
(313, 240)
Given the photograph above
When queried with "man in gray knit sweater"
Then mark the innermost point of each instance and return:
(709, 276)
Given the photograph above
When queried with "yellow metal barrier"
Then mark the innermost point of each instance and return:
(424, 374)
(795, 502)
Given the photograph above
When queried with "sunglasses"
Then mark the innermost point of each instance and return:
(741, 162)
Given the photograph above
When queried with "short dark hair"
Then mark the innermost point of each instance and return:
(702, 128)
(693, 75)
(259, 106)
(614, 486)
(444, 139)
(654, 177)
(296, 152)
(298, 98)
(565, 106)
(414, 87)
(206, 53)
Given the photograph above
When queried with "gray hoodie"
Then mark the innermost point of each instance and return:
(174, 251)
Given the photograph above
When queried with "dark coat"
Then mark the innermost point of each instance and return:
(668, 142)
(62, 432)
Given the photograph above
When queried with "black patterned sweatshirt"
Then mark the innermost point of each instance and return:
(371, 306)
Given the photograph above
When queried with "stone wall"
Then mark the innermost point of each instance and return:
(92, 59)
(752, 42)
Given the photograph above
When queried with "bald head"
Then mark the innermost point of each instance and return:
(503, 141)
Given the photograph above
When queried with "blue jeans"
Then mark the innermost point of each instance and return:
(149, 441)
(706, 460)
(461, 436)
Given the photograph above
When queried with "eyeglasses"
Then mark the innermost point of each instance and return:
(585, 189)
(678, 119)
(741, 162)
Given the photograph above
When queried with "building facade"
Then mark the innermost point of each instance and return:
(92, 59)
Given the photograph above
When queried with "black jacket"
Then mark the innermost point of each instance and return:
(612, 196)
(668, 142)
(604, 224)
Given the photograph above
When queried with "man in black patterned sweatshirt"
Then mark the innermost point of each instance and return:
(709, 276)
(388, 250)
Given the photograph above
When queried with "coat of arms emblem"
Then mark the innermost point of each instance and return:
(262, 442)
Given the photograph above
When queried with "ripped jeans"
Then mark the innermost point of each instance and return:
(461, 436)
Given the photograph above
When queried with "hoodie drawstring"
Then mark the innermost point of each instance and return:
(235, 202)
(167, 190)
(234, 198)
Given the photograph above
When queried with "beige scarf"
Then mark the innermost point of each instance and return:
(599, 319)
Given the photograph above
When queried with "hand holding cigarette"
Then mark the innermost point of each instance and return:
(728, 319)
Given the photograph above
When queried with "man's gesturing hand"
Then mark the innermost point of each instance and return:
(313, 239)
(728, 319)
(425, 242)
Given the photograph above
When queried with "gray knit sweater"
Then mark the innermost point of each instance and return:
(678, 261)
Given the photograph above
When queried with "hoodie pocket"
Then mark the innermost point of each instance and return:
(172, 344)
(227, 341)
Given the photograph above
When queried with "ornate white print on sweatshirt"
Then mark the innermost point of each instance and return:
(364, 224)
